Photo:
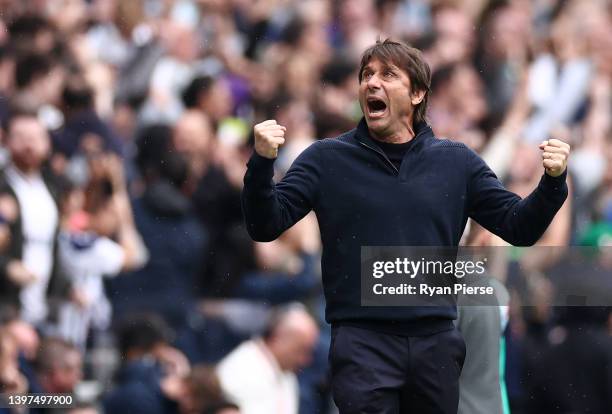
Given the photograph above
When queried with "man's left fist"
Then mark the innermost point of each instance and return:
(554, 156)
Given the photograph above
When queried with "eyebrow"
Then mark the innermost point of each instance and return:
(390, 66)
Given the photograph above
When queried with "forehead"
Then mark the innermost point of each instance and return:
(375, 63)
(25, 123)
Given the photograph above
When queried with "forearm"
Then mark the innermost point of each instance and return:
(526, 220)
(271, 209)
(129, 239)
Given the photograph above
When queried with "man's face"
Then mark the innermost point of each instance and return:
(28, 143)
(385, 98)
(294, 352)
(68, 375)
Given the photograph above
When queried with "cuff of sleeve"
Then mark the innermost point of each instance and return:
(555, 183)
(257, 161)
(260, 171)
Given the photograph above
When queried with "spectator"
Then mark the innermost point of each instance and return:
(38, 81)
(202, 391)
(33, 233)
(11, 380)
(165, 219)
(83, 130)
(87, 253)
(210, 95)
(58, 367)
(260, 374)
(26, 338)
(582, 381)
(152, 376)
(147, 79)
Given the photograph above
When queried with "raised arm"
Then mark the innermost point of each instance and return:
(270, 209)
(518, 221)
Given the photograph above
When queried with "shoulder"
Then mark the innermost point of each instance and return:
(447, 145)
(455, 150)
(244, 353)
(341, 141)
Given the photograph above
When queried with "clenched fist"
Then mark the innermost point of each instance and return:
(268, 136)
(554, 156)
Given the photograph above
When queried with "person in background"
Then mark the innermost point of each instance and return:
(58, 367)
(25, 336)
(202, 391)
(152, 377)
(164, 217)
(33, 234)
(87, 252)
(11, 380)
(259, 375)
(83, 129)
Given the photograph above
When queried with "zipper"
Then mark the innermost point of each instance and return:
(387, 160)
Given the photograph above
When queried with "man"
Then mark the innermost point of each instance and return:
(31, 253)
(152, 374)
(59, 366)
(259, 375)
(390, 182)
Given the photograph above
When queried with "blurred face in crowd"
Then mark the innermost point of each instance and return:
(192, 137)
(466, 90)
(218, 102)
(65, 374)
(386, 100)
(293, 341)
(455, 35)
(28, 143)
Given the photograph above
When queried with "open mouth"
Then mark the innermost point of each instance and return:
(376, 107)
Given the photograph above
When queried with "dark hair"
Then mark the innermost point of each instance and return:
(142, 332)
(195, 89)
(408, 59)
(152, 142)
(51, 352)
(442, 76)
(30, 68)
(29, 25)
(14, 112)
(77, 94)
(174, 168)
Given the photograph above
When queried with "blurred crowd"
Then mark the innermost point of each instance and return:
(126, 274)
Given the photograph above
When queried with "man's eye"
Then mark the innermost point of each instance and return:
(367, 75)
(389, 73)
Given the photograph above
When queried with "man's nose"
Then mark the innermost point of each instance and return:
(373, 82)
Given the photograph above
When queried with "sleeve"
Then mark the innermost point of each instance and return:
(109, 256)
(518, 221)
(271, 209)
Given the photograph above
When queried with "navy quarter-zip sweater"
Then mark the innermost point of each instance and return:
(361, 199)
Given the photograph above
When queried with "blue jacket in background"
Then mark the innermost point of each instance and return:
(361, 199)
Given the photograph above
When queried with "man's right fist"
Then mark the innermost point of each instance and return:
(268, 136)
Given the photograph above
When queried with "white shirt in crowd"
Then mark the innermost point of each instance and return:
(39, 218)
(85, 258)
(251, 378)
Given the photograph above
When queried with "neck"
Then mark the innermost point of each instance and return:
(403, 133)
(25, 169)
(271, 349)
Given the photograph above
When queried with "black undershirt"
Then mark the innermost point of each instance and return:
(395, 152)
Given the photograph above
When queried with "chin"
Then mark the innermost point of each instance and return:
(377, 125)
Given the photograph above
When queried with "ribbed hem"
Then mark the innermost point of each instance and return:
(417, 327)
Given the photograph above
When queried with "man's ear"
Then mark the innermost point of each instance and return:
(417, 97)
